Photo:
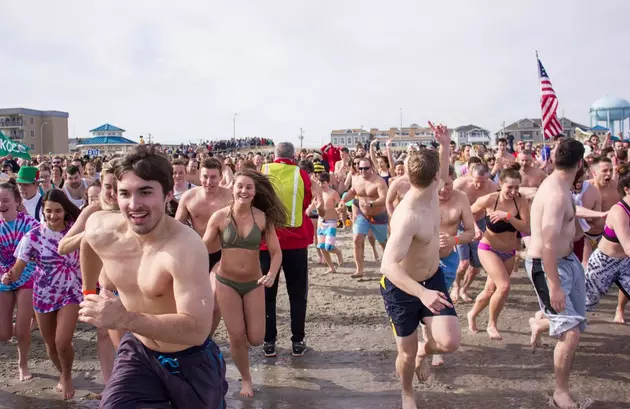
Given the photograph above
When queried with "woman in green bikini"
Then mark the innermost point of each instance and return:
(241, 227)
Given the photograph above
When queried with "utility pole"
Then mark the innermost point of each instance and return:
(234, 127)
(401, 122)
(301, 138)
(149, 139)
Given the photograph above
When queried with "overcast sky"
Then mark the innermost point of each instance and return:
(180, 70)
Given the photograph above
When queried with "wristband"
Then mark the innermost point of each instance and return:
(508, 216)
(88, 292)
(456, 240)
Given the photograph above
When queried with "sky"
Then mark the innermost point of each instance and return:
(181, 70)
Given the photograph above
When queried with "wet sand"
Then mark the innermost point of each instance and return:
(350, 363)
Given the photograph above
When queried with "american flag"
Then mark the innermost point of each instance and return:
(548, 104)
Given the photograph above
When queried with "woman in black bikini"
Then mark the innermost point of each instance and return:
(255, 212)
(507, 213)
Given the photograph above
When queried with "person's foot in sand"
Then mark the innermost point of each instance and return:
(330, 271)
(455, 293)
(464, 296)
(438, 360)
(339, 259)
(472, 322)
(537, 331)
(67, 387)
(423, 371)
(357, 274)
(619, 317)
(408, 401)
(562, 400)
(25, 374)
(247, 389)
(493, 333)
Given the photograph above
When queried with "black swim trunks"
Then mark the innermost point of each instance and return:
(142, 378)
(406, 311)
(214, 258)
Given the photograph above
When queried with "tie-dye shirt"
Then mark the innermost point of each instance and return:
(10, 235)
(58, 278)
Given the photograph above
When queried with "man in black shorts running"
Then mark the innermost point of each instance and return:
(413, 285)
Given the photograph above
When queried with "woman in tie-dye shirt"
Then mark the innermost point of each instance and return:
(57, 285)
(13, 226)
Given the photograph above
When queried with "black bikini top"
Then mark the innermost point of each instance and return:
(501, 226)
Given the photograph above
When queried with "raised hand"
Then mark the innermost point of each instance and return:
(441, 134)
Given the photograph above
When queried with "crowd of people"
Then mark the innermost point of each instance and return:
(156, 247)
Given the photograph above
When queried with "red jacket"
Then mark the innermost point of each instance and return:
(332, 155)
(293, 238)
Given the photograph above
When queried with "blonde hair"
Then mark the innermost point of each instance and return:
(109, 168)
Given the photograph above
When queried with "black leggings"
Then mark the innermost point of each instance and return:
(295, 268)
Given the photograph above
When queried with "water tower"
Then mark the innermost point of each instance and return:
(612, 110)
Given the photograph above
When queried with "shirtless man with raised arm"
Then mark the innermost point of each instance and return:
(160, 269)
(197, 205)
(553, 268)
(531, 176)
(369, 192)
(413, 286)
(475, 185)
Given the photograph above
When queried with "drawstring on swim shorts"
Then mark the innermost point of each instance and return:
(172, 362)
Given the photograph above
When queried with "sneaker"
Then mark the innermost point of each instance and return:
(269, 349)
(299, 348)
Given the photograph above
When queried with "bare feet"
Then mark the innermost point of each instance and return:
(563, 400)
(330, 271)
(339, 260)
(493, 333)
(464, 296)
(247, 389)
(438, 360)
(375, 254)
(619, 317)
(472, 322)
(25, 374)
(357, 274)
(408, 401)
(59, 387)
(422, 368)
(536, 332)
(454, 293)
(66, 387)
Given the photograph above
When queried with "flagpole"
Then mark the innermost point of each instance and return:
(544, 140)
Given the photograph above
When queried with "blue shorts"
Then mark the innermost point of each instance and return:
(469, 251)
(326, 234)
(406, 311)
(378, 225)
(449, 265)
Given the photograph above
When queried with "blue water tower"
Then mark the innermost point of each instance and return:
(611, 110)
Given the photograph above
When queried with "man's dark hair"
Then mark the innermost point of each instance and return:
(178, 162)
(79, 160)
(72, 170)
(502, 140)
(146, 162)
(212, 163)
(344, 149)
(569, 154)
(606, 151)
(324, 177)
(599, 159)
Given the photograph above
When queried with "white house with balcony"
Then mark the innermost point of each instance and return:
(349, 138)
(471, 135)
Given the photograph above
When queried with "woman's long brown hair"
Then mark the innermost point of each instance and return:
(266, 199)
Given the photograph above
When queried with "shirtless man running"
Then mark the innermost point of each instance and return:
(369, 192)
(413, 285)
(531, 176)
(197, 205)
(553, 268)
(475, 185)
(454, 211)
(167, 358)
(607, 187)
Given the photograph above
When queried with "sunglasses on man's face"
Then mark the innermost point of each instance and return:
(364, 168)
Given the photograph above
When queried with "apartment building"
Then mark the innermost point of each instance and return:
(42, 132)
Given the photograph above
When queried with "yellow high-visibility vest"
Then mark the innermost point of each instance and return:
(289, 186)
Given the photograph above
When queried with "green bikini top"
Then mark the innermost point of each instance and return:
(231, 240)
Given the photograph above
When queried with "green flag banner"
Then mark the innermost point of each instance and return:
(8, 147)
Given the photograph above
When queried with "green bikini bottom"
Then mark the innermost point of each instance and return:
(241, 288)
